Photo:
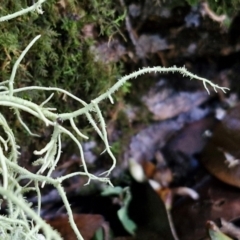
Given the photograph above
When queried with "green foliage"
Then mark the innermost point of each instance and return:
(125, 197)
(122, 213)
(104, 13)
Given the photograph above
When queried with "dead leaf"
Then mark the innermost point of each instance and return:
(87, 224)
(149, 169)
(182, 148)
(191, 139)
(221, 154)
(216, 200)
(164, 103)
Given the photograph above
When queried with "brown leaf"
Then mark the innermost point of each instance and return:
(149, 169)
(87, 224)
(190, 140)
(217, 200)
(221, 154)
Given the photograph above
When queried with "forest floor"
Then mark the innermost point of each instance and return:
(185, 140)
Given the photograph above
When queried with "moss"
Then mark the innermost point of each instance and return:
(62, 56)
